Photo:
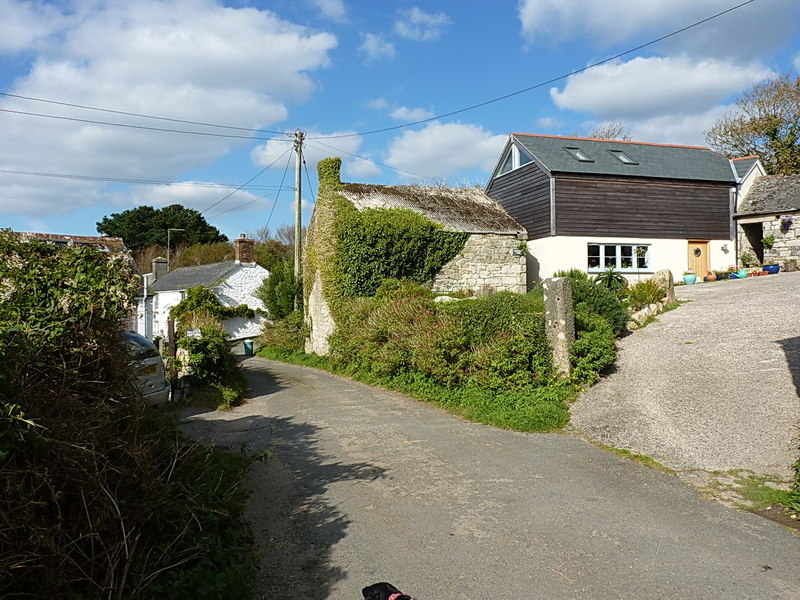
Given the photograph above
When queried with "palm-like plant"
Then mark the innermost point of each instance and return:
(611, 279)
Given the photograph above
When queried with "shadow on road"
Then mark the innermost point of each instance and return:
(791, 348)
(295, 527)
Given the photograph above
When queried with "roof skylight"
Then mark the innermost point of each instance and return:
(578, 154)
(622, 157)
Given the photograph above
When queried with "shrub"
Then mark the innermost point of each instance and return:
(602, 301)
(286, 334)
(572, 274)
(101, 497)
(594, 348)
(611, 279)
(210, 362)
(644, 292)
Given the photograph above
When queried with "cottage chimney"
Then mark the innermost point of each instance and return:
(243, 249)
(159, 268)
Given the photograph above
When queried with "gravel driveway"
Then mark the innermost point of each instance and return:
(711, 386)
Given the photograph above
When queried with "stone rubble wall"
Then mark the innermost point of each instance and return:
(787, 240)
(318, 319)
(487, 264)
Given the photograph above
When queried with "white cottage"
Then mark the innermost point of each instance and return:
(233, 281)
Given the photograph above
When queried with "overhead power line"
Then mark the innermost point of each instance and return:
(141, 115)
(248, 181)
(134, 181)
(543, 83)
(362, 133)
(145, 127)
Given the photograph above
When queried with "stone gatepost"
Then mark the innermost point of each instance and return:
(559, 321)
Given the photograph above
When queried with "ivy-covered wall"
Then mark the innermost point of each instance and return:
(350, 252)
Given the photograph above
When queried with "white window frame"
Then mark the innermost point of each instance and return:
(618, 258)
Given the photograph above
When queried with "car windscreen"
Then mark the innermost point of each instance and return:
(140, 347)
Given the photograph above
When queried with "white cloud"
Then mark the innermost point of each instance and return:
(548, 123)
(440, 150)
(677, 129)
(410, 114)
(197, 195)
(331, 9)
(752, 28)
(417, 25)
(358, 168)
(378, 104)
(24, 24)
(646, 87)
(374, 46)
(187, 59)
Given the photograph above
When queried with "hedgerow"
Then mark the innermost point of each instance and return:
(99, 496)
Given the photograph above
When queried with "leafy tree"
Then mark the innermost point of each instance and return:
(766, 122)
(202, 254)
(145, 226)
(280, 291)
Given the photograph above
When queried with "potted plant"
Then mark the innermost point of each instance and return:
(786, 222)
(748, 259)
(689, 277)
(790, 265)
(768, 241)
(710, 276)
(772, 268)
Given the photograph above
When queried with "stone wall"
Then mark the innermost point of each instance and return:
(318, 320)
(488, 263)
(787, 240)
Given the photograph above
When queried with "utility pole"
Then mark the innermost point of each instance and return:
(298, 225)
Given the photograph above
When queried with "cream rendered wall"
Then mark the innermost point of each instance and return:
(162, 303)
(567, 252)
(238, 288)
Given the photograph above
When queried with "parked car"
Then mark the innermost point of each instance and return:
(151, 382)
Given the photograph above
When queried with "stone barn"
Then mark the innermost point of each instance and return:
(492, 258)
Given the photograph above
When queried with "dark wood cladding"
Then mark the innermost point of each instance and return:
(525, 195)
(606, 206)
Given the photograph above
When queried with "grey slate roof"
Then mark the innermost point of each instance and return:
(184, 278)
(743, 165)
(457, 209)
(653, 160)
(772, 194)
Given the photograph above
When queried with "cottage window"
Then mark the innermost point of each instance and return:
(629, 258)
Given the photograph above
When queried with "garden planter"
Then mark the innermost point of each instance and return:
(741, 273)
(789, 266)
(689, 278)
(772, 269)
(711, 277)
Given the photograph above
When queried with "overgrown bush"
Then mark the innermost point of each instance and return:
(280, 292)
(486, 358)
(285, 335)
(210, 362)
(594, 348)
(99, 497)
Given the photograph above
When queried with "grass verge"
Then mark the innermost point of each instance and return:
(642, 459)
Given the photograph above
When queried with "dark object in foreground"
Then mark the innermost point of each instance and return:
(383, 591)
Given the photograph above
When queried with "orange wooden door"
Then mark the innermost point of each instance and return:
(698, 258)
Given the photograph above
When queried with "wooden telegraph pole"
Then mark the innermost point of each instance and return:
(298, 225)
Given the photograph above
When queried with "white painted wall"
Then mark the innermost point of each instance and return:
(551, 254)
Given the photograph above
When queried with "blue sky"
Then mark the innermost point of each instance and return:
(338, 69)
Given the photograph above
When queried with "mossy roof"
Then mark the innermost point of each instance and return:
(772, 194)
(468, 210)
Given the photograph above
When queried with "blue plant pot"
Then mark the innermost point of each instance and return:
(772, 269)
(689, 278)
